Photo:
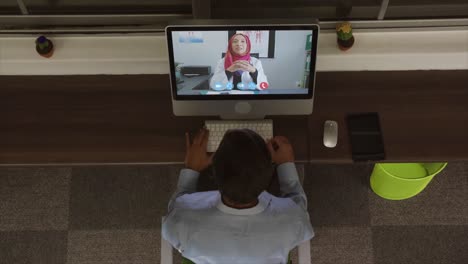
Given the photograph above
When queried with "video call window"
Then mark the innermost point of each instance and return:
(242, 62)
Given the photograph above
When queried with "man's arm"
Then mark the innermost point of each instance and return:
(196, 160)
(289, 184)
(282, 154)
(187, 184)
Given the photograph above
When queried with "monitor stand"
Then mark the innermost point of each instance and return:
(243, 110)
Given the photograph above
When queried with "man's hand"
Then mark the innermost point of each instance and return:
(196, 157)
(281, 150)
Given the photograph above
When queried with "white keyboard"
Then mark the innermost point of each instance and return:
(218, 128)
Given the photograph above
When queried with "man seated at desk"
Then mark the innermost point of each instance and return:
(239, 222)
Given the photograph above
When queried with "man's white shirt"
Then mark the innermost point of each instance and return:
(205, 230)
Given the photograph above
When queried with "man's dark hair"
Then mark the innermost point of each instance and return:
(242, 165)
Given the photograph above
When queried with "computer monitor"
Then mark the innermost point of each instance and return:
(239, 71)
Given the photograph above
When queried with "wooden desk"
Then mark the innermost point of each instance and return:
(423, 114)
(128, 119)
(101, 119)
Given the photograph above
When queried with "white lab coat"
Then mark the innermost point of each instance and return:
(220, 74)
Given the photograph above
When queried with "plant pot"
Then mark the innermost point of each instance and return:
(345, 44)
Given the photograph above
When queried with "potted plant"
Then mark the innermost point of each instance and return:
(178, 66)
(345, 36)
(44, 47)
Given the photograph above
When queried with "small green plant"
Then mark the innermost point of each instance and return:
(42, 42)
(344, 31)
(44, 47)
(178, 65)
(345, 38)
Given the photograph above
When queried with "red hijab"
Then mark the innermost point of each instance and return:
(231, 56)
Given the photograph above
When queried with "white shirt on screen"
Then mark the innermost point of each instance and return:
(220, 76)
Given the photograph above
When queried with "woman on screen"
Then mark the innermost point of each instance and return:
(238, 70)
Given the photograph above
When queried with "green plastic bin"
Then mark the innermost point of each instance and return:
(398, 181)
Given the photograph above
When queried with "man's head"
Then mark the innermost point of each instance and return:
(242, 165)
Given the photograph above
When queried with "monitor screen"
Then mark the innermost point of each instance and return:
(249, 62)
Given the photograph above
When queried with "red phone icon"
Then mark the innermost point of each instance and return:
(263, 85)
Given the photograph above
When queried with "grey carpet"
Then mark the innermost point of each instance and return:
(34, 198)
(114, 246)
(420, 244)
(113, 214)
(33, 247)
(338, 195)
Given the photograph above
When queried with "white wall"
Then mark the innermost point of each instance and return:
(147, 54)
(282, 71)
(206, 53)
(288, 66)
(85, 54)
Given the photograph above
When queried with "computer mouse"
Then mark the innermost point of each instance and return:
(330, 134)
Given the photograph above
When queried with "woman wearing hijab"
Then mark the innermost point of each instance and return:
(238, 70)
